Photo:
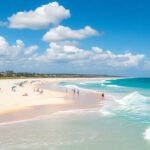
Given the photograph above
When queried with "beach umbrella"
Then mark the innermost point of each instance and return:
(13, 87)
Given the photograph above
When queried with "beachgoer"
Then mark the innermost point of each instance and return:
(38, 90)
(78, 92)
(41, 91)
(25, 94)
(74, 91)
(103, 95)
(13, 88)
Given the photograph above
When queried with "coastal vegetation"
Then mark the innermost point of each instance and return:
(12, 74)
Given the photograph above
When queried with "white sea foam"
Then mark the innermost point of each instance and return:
(75, 112)
(147, 134)
(43, 117)
(83, 83)
(102, 84)
(71, 86)
(133, 98)
(25, 120)
(94, 81)
(106, 112)
(105, 81)
(135, 103)
(110, 85)
(114, 86)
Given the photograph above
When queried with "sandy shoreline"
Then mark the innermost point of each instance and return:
(13, 103)
(14, 100)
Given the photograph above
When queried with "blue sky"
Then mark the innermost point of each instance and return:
(115, 42)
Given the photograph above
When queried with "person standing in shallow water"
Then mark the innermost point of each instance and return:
(74, 91)
(103, 95)
(78, 92)
(66, 90)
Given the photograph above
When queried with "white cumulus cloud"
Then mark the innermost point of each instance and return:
(117, 60)
(14, 51)
(64, 33)
(65, 54)
(31, 49)
(41, 17)
(71, 54)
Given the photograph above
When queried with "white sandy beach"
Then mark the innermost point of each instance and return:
(14, 100)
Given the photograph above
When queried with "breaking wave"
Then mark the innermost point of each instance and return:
(147, 134)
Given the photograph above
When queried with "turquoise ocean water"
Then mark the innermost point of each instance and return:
(121, 123)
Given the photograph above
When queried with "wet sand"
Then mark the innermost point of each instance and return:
(85, 100)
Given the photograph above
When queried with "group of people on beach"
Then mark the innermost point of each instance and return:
(40, 91)
(76, 91)
(21, 84)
